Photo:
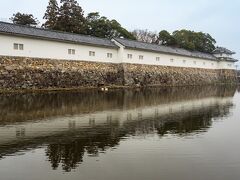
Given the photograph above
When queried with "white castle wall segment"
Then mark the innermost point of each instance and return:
(149, 58)
(54, 50)
(49, 49)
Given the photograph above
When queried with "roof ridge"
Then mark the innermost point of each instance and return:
(223, 50)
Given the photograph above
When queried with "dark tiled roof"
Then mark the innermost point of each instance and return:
(229, 59)
(163, 49)
(220, 50)
(19, 30)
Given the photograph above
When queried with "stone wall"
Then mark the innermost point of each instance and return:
(175, 76)
(29, 73)
(34, 73)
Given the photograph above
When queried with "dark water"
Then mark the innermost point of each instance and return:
(160, 133)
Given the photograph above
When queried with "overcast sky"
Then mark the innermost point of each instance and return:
(220, 18)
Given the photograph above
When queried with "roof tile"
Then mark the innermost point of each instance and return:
(21, 30)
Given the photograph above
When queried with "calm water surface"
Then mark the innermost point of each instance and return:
(151, 134)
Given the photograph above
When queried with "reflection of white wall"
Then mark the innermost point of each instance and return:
(59, 50)
(58, 125)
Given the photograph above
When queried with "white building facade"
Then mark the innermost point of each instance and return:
(22, 41)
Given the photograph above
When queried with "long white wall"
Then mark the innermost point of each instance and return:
(59, 50)
(54, 50)
(149, 58)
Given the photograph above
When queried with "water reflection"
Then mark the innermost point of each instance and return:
(72, 124)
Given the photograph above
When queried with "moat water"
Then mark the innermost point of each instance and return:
(180, 133)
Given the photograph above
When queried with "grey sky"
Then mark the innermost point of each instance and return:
(220, 18)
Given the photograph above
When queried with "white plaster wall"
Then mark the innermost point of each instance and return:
(120, 50)
(59, 50)
(149, 58)
(54, 50)
(226, 65)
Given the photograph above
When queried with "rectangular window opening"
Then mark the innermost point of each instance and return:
(109, 55)
(141, 57)
(17, 46)
(20, 46)
(129, 56)
(71, 51)
(91, 53)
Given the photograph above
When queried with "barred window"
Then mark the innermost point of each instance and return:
(141, 57)
(109, 55)
(20, 46)
(91, 53)
(129, 56)
(17, 46)
(71, 51)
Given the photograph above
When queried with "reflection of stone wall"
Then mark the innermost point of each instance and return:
(34, 73)
(35, 106)
(69, 142)
(68, 148)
